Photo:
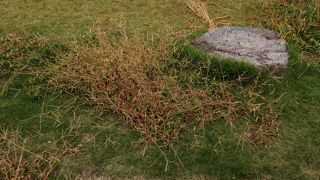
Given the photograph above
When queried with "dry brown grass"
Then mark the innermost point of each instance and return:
(199, 8)
(297, 21)
(17, 162)
(123, 75)
(20, 158)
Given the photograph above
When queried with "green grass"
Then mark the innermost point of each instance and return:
(212, 67)
(110, 149)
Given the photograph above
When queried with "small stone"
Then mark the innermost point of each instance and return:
(260, 47)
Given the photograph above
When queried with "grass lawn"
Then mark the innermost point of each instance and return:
(63, 132)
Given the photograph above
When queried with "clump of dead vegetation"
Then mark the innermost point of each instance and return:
(199, 8)
(297, 21)
(123, 74)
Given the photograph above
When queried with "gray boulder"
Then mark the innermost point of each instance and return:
(260, 47)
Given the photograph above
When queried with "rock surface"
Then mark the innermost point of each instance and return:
(260, 47)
